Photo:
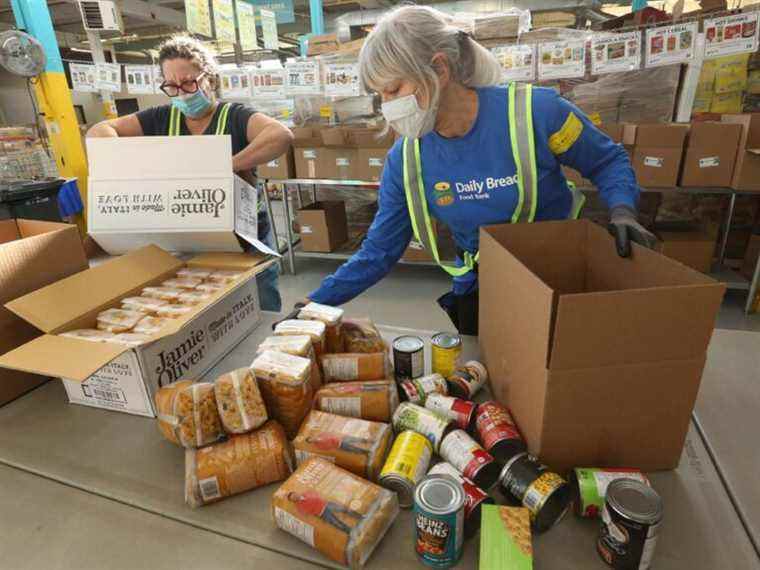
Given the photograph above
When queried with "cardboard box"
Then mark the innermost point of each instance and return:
(281, 168)
(747, 168)
(598, 357)
(324, 226)
(320, 44)
(117, 377)
(340, 159)
(711, 154)
(751, 256)
(613, 130)
(308, 151)
(32, 254)
(657, 152)
(175, 192)
(372, 152)
(693, 248)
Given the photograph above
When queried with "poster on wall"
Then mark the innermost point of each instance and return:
(731, 35)
(269, 29)
(342, 80)
(246, 25)
(302, 77)
(666, 45)
(235, 83)
(562, 60)
(108, 77)
(268, 83)
(83, 77)
(283, 9)
(158, 79)
(224, 21)
(139, 79)
(198, 17)
(518, 62)
(615, 52)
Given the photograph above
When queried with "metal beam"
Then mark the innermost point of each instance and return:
(141, 10)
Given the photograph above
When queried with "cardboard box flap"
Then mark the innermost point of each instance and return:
(62, 357)
(231, 261)
(52, 308)
(9, 231)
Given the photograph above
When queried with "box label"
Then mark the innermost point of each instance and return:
(376, 162)
(654, 161)
(342, 162)
(310, 154)
(709, 161)
(307, 230)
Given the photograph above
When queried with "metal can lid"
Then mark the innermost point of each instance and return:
(635, 500)
(408, 343)
(511, 462)
(446, 340)
(480, 369)
(440, 494)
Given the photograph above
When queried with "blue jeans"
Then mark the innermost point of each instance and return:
(269, 294)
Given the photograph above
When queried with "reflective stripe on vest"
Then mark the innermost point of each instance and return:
(175, 121)
(520, 110)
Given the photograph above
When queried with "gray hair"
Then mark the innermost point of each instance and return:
(183, 46)
(404, 41)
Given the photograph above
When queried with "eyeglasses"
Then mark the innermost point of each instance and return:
(189, 86)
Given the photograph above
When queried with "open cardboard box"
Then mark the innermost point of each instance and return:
(747, 169)
(116, 376)
(598, 357)
(175, 192)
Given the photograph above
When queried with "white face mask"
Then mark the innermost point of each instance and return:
(407, 118)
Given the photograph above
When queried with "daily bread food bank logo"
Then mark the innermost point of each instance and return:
(201, 201)
(443, 194)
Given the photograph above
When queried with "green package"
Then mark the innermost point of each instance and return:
(505, 539)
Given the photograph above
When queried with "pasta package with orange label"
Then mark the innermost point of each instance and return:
(356, 445)
(347, 367)
(297, 345)
(334, 511)
(314, 329)
(333, 319)
(375, 400)
(188, 414)
(241, 407)
(360, 335)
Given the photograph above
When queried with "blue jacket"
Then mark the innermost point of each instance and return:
(470, 182)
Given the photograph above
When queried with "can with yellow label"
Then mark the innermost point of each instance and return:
(407, 463)
(445, 349)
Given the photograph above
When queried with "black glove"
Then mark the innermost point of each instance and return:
(292, 314)
(625, 228)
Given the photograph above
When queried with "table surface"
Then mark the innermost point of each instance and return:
(125, 459)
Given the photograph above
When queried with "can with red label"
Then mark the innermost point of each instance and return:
(498, 431)
(471, 460)
(467, 379)
(474, 499)
(462, 412)
(417, 390)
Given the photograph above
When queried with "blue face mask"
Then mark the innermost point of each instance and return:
(194, 105)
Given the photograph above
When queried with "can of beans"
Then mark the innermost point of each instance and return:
(408, 357)
(467, 379)
(630, 523)
(426, 422)
(406, 465)
(461, 412)
(439, 521)
(545, 494)
(590, 485)
(498, 431)
(471, 460)
(474, 496)
(417, 390)
(445, 349)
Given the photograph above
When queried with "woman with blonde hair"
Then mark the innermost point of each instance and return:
(471, 153)
(190, 75)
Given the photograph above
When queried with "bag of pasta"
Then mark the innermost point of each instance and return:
(187, 413)
(333, 319)
(375, 401)
(361, 335)
(241, 407)
(347, 367)
(284, 383)
(314, 329)
(334, 511)
(241, 463)
(297, 345)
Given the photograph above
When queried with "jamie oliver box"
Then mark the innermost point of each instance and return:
(125, 378)
(599, 357)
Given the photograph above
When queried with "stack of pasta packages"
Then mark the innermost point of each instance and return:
(314, 408)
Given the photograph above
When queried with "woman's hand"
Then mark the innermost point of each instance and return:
(625, 228)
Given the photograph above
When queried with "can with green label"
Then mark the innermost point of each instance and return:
(590, 484)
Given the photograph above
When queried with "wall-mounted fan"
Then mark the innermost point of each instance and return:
(21, 54)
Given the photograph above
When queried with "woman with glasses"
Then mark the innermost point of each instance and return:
(191, 81)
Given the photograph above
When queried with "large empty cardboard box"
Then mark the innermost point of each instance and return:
(599, 357)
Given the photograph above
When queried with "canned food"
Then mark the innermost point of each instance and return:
(445, 349)
(590, 485)
(406, 465)
(545, 494)
(630, 523)
(439, 521)
(423, 421)
(498, 431)
(408, 357)
(474, 496)
(417, 390)
(467, 379)
(461, 412)
(471, 460)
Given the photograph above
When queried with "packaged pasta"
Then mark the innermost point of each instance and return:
(223, 276)
(334, 511)
(333, 319)
(118, 320)
(173, 311)
(170, 294)
(194, 273)
(187, 413)
(314, 329)
(209, 287)
(297, 345)
(147, 305)
(284, 383)
(375, 401)
(241, 407)
(92, 335)
(357, 366)
(182, 283)
(150, 325)
(131, 338)
(241, 463)
(360, 335)
(357, 445)
(193, 297)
